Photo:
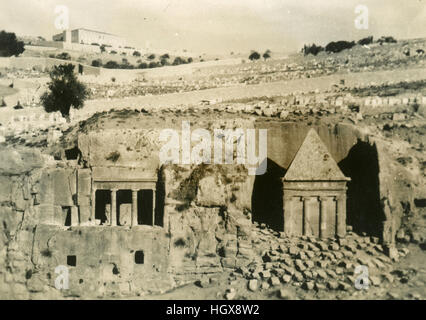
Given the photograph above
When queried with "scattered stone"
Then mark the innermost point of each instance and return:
(275, 281)
(230, 294)
(309, 285)
(375, 281)
(332, 285)
(253, 285)
(265, 285)
(286, 278)
(285, 294)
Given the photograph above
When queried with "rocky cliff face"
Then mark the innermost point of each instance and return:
(205, 211)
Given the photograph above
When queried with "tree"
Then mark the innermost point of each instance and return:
(97, 63)
(136, 54)
(165, 56)
(366, 41)
(254, 56)
(9, 45)
(112, 65)
(143, 65)
(267, 54)
(312, 49)
(178, 60)
(63, 56)
(65, 91)
(339, 46)
(151, 56)
(102, 47)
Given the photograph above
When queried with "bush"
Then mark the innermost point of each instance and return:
(97, 63)
(190, 60)
(153, 64)
(143, 65)
(339, 46)
(267, 54)
(164, 62)
(136, 54)
(165, 56)
(366, 41)
(113, 52)
(151, 56)
(95, 44)
(65, 91)
(9, 45)
(112, 65)
(312, 49)
(178, 61)
(386, 40)
(254, 56)
(63, 56)
(102, 47)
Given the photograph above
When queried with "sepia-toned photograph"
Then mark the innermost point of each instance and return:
(212, 150)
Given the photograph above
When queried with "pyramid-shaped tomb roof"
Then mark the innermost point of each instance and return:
(313, 162)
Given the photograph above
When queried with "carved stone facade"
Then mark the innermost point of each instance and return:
(314, 192)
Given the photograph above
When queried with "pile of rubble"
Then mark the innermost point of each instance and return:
(317, 265)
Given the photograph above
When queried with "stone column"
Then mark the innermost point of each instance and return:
(153, 207)
(113, 220)
(305, 216)
(288, 208)
(341, 215)
(93, 212)
(134, 208)
(323, 216)
(308, 212)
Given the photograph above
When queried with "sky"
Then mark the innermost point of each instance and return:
(220, 26)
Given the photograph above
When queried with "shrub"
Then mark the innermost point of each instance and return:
(312, 49)
(113, 52)
(386, 40)
(189, 60)
(178, 61)
(97, 63)
(9, 45)
(136, 54)
(143, 65)
(112, 65)
(164, 62)
(102, 47)
(254, 56)
(366, 41)
(151, 56)
(339, 46)
(63, 56)
(267, 54)
(153, 64)
(95, 44)
(165, 56)
(64, 91)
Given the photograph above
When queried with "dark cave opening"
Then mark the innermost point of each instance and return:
(145, 207)
(103, 199)
(267, 197)
(364, 212)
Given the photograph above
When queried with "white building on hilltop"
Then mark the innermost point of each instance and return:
(90, 37)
